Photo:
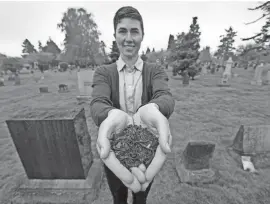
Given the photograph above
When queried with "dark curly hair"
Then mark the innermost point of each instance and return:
(127, 12)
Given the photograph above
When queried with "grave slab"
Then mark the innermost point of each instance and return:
(194, 166)
(251, 140)
(54, 147)
(85, 81)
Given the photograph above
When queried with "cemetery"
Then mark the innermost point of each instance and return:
(220, 126)
(209, 152)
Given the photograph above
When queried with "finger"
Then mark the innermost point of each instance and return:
(103, 142)
(135, 186)
(144, 186)
(156, 164)
(104, 147)
(164, 134)
(142, 167)
(118, 169)
(136, 119)
(139, 174)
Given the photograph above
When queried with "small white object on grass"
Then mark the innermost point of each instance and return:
(247, 164)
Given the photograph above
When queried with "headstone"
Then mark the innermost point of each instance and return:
(17, 79)
(252, 140)
(11, 76)
(85, 81)
(228, 68)
(194, 165)
(2, 80)
(204, 69)
(44, 89)
(54, 147)
(185, 78)
(257, 79)
(267, 82)
(63, 88)
(213, 70)
(224, 81)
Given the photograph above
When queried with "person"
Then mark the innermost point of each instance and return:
(131, 91)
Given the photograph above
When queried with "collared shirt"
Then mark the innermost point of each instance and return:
(133, 84)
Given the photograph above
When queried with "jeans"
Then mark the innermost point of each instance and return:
(120, 191)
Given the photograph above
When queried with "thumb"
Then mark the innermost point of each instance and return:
(164, 136)
(103, 148)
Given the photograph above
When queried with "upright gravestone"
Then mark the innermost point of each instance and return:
(267, 82)
(85, 81)
(228, 68)
(194, 165)
(17, 79)
(185, 78)
(204, 69)
(250, 142)
(257, 79)
(2, 80)
(54, 147)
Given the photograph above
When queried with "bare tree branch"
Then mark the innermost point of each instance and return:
(257, 19)
(253, 37)
(259, 7)
(252, 48)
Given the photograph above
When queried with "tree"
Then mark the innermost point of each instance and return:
(171, 43)
(143, 56)
(148, 50)
(28, 47)
(153, 50)
(40, 47)
(261, 39)
(227, 44)
(81, 35)
(51, 47)
(115, 53)
(186, 51)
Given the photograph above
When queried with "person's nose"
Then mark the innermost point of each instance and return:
(128, 37)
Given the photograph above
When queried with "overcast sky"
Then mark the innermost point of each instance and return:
(38, 21)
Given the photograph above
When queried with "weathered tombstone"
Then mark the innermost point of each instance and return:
(17, 79)
(257, 80)
(194, 165)
(85, 81)
(251, 141)
(63, 88)
(224, 81)
(54, 147)
(267, 81)
(2, 80)
(213, 69)
(228, 68)
(185, 78)
(204, 69)
(44, 89)
(11, 76)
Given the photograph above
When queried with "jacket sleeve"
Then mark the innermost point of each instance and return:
(161, 92)
(100, 104)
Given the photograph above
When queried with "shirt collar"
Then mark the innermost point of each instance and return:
(121, 64)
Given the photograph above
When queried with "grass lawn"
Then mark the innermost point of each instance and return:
(203, 111)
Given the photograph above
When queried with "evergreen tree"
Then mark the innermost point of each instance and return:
(186, 51)
(115, 53)
(171, 43)
(28, 47)
(227, 44)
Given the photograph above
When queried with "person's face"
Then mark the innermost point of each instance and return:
(128, 36)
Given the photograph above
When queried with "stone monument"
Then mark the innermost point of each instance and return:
(85, 81)
(228, 68)
(54, 147)
(194, 165)
(259, 71)
(185, 78)
(250, 143)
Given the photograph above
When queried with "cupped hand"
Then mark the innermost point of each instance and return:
(149, 116)
(116, 121)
